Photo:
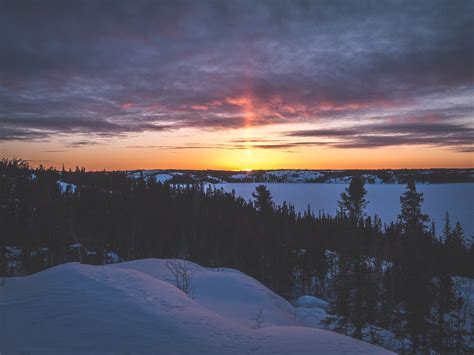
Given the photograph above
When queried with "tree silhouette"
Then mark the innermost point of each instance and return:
(410, 215)
(353, 202)
(263, 198)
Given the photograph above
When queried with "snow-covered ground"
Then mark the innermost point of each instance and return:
(384, 199)
(136, 307)
(163, 177)
(65, 187)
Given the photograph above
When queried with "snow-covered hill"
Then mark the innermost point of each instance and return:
(136, 307)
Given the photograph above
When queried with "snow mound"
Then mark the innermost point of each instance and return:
(157, 175)
(311, 302)
(163, 177)
(64, 187)
(135, 307)
(227, 292)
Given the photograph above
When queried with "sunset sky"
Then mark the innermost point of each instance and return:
(238, 84)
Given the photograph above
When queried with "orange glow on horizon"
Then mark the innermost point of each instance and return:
(219, 163)
(121, 157)
(248, 148)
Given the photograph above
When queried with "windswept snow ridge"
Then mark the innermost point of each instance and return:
(136, 307)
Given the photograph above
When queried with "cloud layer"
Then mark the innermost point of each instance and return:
(378, 73)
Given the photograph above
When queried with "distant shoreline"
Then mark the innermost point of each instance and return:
(379, 176)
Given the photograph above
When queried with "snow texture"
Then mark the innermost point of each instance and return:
(136, 307)
(64, 187)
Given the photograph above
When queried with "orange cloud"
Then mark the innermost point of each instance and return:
(332, 106)
(239, 101)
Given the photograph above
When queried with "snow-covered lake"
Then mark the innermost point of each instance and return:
(456, 199)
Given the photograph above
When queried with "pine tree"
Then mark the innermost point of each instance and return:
(447, 227)
(263, 199)
(410, 215)
(416, 269)
(455, 249)
(457, 237)
(358, 307)
(353, 202)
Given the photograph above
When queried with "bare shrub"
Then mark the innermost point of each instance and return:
(183, 275)
(258, 318)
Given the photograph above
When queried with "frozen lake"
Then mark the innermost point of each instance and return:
(456, 199)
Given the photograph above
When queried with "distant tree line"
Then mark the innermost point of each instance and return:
(386, 176)
(403, 276)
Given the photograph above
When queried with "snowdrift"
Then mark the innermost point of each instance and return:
(136, 307)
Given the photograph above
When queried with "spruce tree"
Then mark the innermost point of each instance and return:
(416, 269)
(446, 228)
(457, 237)
(455, 249)
(263, 198)
(353, 202)
(410, 215)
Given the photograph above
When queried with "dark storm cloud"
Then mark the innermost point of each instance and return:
(121, 67)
